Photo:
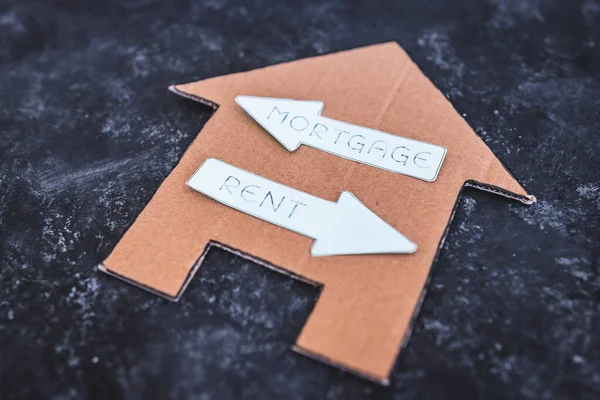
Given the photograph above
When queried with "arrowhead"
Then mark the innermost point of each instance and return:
(275, 115)
(357, 230)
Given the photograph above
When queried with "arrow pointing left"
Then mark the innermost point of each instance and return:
(296, 122)
(342, 228)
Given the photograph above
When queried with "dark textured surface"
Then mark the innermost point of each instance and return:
(88, 132)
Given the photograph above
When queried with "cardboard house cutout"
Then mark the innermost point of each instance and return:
(367, 302)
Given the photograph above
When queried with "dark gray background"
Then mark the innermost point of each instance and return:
(88, 131)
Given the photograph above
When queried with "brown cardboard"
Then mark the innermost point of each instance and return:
(365, 308)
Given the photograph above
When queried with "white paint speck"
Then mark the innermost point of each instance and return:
(439, 51)
(589, 191)
(10, 20)
(578, 359)
(73, 360)
(567, 261)
(549, 215)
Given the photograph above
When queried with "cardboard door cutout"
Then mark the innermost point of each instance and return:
(367, 301)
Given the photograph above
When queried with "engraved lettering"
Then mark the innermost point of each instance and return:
(297, 126)
(295, 206)
(420, 158)
(403, 157)
(224, 185)
(270, 196)
(382, 147)
(339, 134)
(356, 145)
(317, 132)
(247, 190)
(275, 109)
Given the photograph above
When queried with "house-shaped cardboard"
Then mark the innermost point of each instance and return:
(367, 302)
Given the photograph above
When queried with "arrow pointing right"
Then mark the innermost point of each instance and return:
(342, 228)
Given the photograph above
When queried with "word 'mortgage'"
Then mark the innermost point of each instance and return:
(356, 142)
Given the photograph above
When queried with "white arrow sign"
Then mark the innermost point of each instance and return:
(345, 227)
(295, 122)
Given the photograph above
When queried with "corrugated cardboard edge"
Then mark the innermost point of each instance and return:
(526, 199)
(198, 264)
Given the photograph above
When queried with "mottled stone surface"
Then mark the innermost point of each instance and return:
(88, 132)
